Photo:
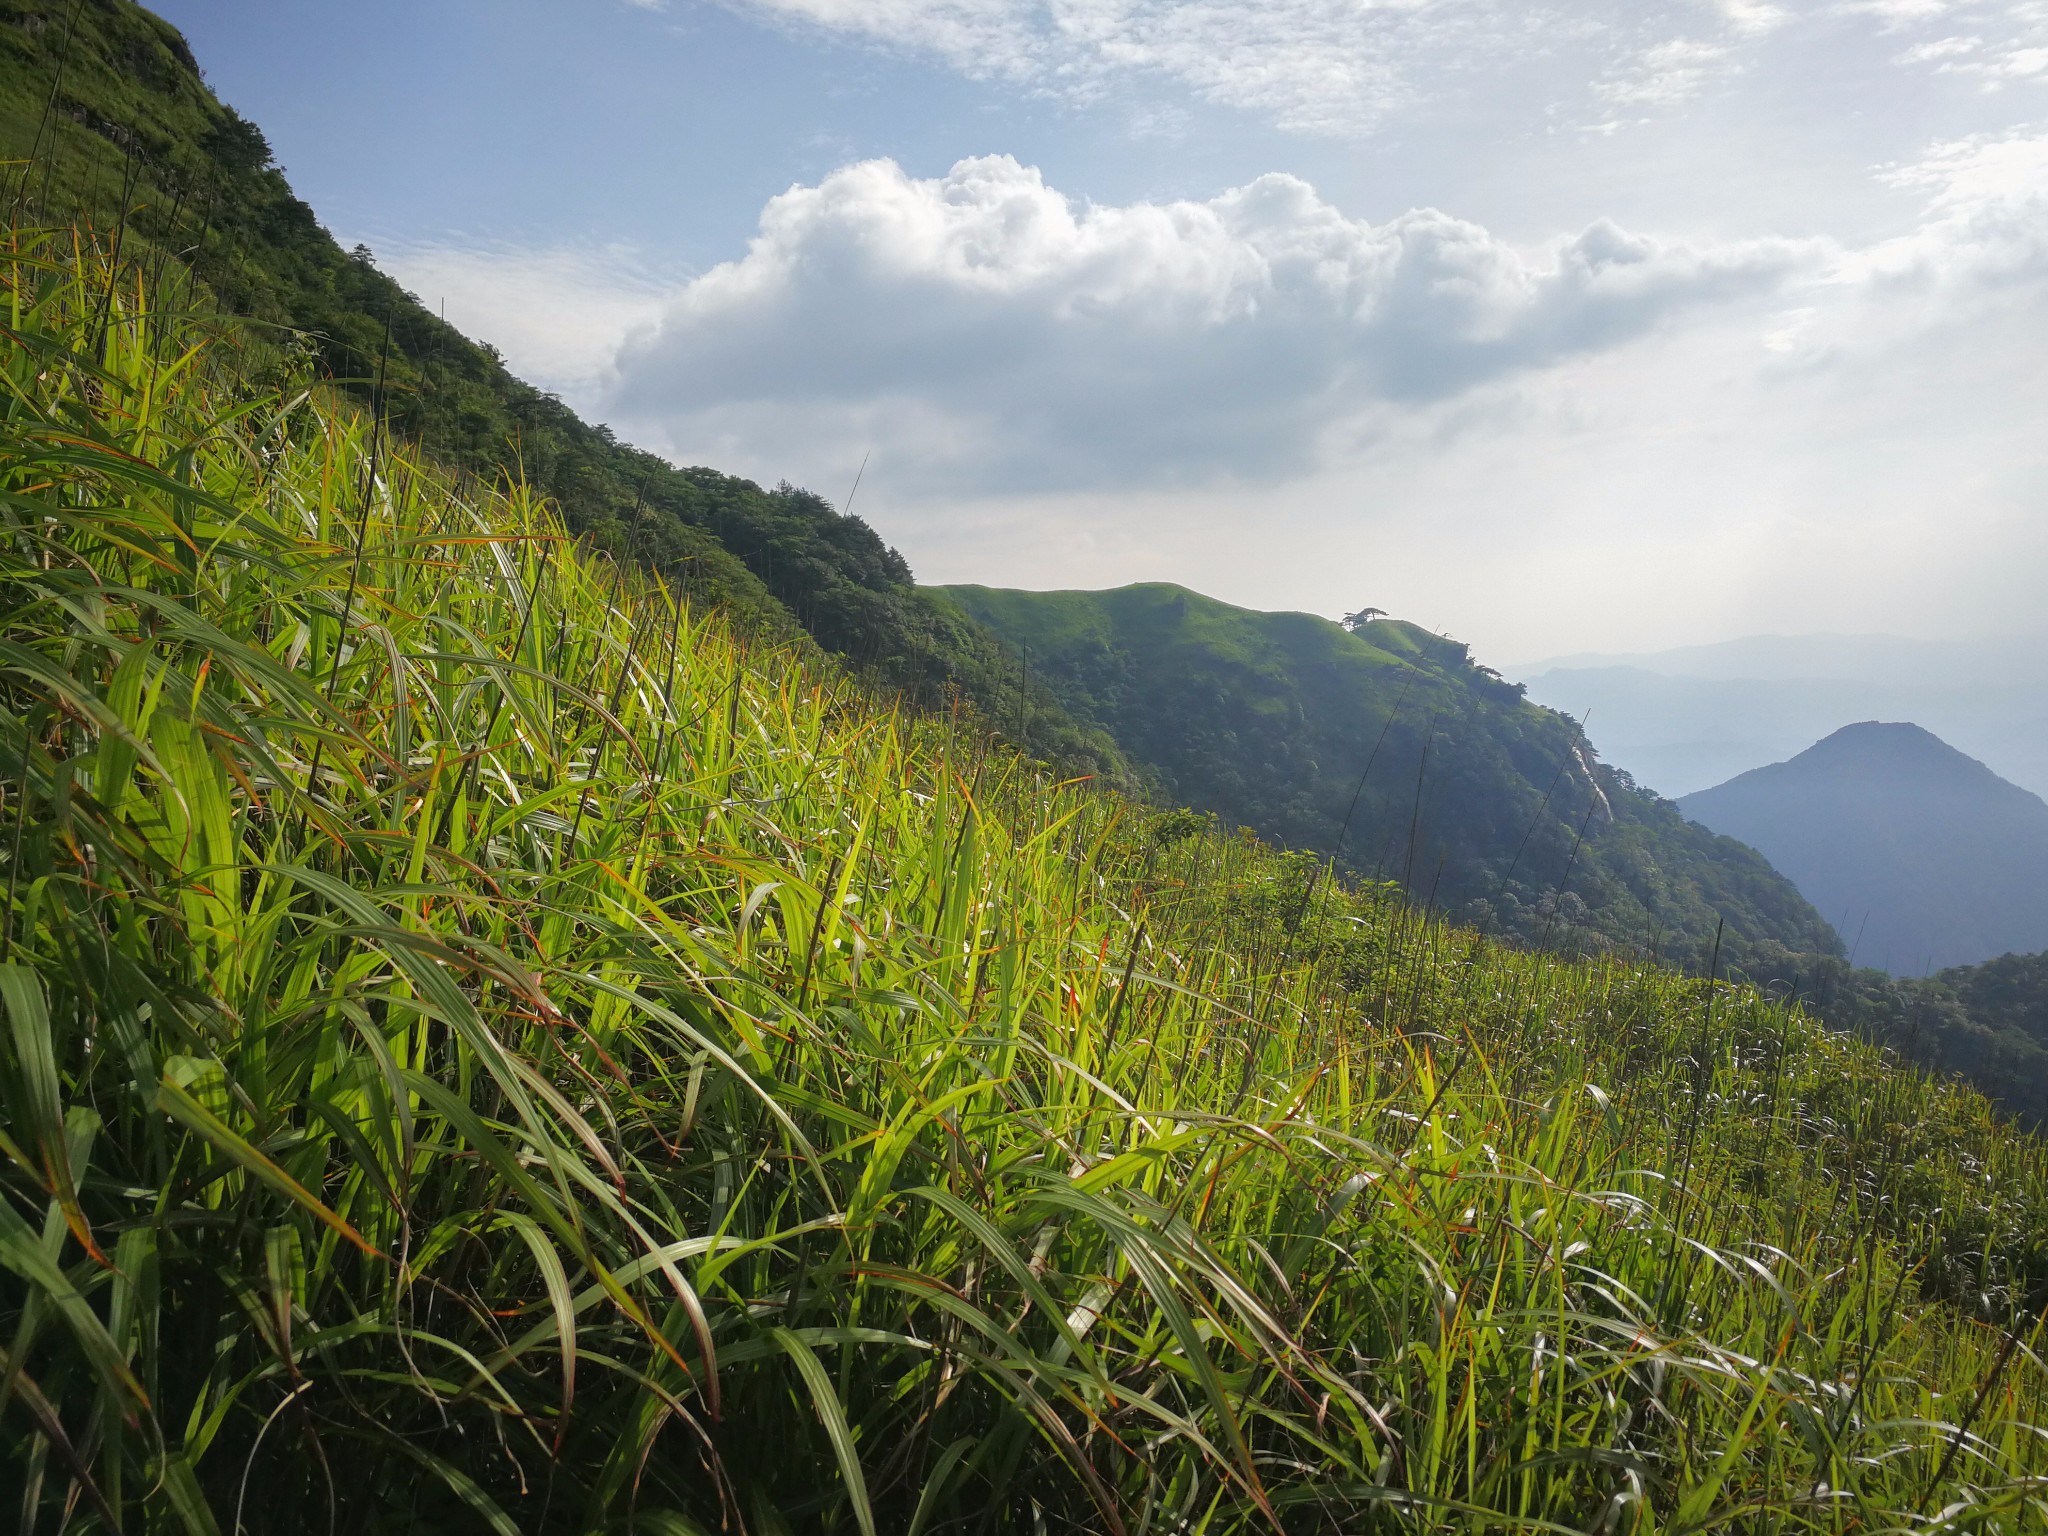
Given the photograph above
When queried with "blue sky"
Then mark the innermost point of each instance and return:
(1587, 325)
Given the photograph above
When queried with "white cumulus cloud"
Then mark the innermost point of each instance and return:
(981, 328)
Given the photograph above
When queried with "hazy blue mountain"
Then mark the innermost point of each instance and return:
(1681, 734)
(1921, 856)
(1683, 719)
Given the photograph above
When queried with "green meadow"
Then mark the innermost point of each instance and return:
(489, 1047)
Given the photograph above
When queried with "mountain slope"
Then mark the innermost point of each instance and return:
(1923, 857)
(107, 118)
(452, 1079)
(1465, 793)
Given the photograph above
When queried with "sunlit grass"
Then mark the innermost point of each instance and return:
(487, 1049)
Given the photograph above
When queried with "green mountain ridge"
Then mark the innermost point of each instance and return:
(106, 118)
(1389, 747)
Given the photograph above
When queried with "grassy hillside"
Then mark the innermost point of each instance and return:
(105, 114)
(1391, 746)
(489, 1048)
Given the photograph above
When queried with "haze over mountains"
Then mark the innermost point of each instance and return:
(1921, 856)
(1681, 720)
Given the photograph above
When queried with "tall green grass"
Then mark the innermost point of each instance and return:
(485, 1049)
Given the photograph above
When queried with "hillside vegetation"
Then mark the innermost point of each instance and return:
(491, 1048)
(1389, 747)
(105, 117)
(1392, 747)
(2008, 993)
(1987, 1023)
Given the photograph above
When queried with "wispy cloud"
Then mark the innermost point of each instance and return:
(2006, 44)
(1897, 13)
(1668, 73)
(1337, 67)
(557, 314)
(1314, 66)
(1941, 50)
(1754, 18)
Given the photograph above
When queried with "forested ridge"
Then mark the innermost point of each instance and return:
(1394, 751)
(106, 117)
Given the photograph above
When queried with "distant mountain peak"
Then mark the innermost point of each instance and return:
(1887, 740)
(1893, 833)
(1893, 729)
(1918, 760)
(1886, 735)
